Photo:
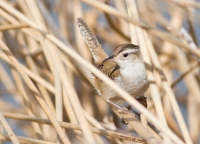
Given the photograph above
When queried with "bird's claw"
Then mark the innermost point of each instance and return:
(125, 112)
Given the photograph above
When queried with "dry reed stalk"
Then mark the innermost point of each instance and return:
(12, 26)
(59, 98)
(72, 126)
(25, 140)
(184, 74)
(81, 47)
(123, 28)
(186, 3)
(26, 102)
(62, 14)
(9, 131)
(6, 79)
(69, 109)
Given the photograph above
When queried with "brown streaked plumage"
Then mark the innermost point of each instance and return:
(110, 68)
(122, 47)
(125, 66)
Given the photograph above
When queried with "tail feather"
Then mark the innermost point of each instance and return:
(97, 52)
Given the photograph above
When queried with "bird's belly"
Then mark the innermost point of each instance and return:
(135, 84)
(133, 81)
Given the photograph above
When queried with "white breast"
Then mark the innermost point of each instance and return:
(133, 79)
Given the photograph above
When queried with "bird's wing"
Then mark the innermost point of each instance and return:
(110, 68)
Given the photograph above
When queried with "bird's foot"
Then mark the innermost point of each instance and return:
(125, 111)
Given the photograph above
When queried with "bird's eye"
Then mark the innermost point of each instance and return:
(125, 55)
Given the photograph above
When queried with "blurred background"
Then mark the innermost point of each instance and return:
(180, 20)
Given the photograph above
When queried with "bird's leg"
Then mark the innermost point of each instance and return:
(115, 105)
(140, 99)
(124, 110)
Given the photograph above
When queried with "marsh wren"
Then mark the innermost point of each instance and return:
(125, 66)
(127, 69)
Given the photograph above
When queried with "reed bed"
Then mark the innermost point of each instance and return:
(47, 95)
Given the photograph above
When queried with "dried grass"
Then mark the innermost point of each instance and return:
(45, 71)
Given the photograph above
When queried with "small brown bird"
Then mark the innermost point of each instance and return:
(125, 67)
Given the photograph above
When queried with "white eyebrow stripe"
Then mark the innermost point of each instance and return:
(130, 51)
